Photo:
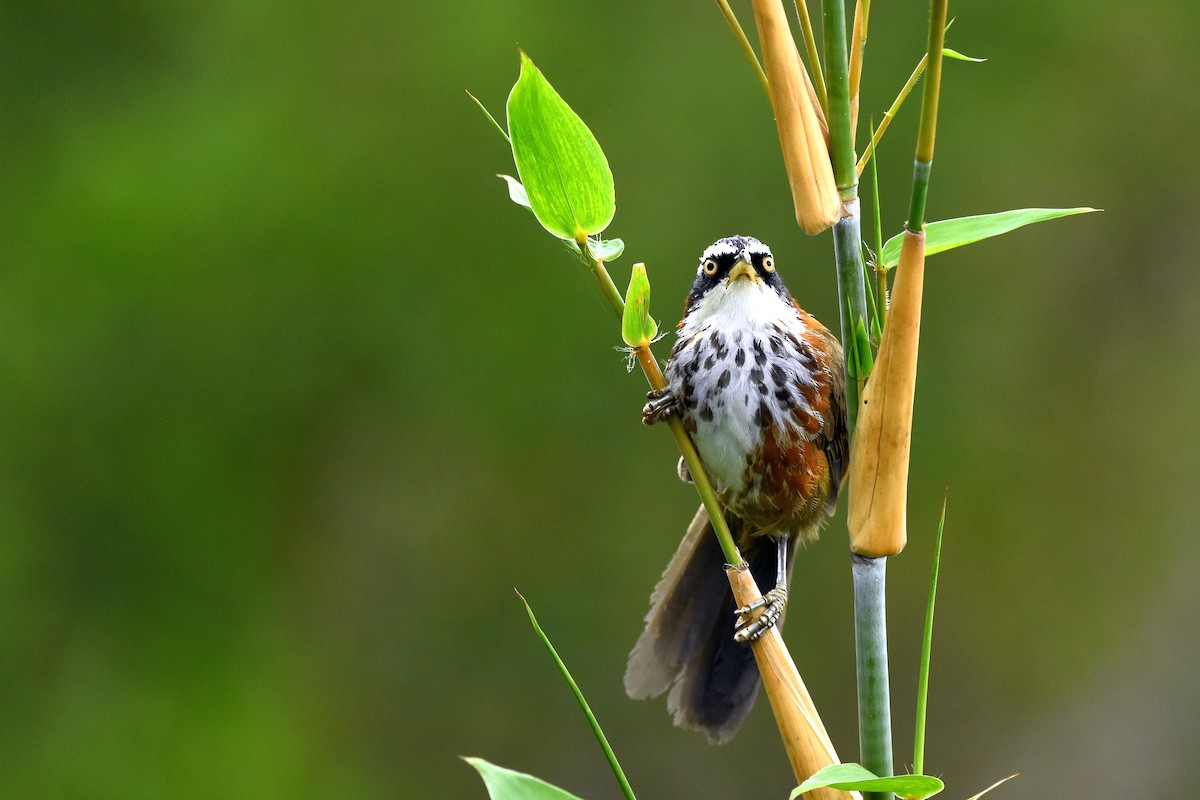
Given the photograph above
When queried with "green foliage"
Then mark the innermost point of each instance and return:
(859, 360)
(855, 778)
(950, 233)
(957, 56)
(566, 176)
(506, 784)
(638, 329)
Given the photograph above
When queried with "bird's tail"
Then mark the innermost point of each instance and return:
(688, 644)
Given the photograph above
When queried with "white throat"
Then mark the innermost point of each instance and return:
(738, 305)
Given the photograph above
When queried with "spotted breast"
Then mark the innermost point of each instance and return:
(759, 381)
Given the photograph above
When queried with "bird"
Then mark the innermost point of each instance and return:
(759, 384)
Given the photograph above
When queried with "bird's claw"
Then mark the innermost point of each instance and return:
(662, 405)
(751, 625)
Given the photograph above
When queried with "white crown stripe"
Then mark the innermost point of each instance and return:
(744, 246)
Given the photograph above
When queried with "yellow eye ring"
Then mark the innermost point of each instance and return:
(710, 267)
(769, 264)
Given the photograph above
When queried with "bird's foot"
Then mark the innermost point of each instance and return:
(755, 619)
(662, 405)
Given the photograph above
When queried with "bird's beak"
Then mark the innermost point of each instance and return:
(742, 269)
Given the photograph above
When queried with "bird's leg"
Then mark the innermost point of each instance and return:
(750, 626)
(662, 405)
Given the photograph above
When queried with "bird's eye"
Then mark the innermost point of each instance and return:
(768, 264)
(710, 267)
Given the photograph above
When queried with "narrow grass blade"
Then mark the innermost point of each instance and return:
(993, 786)
(748, 49)
(947, 234)
(927, 649)
(587, 711)
(506, 784)
(880, 292)
(488, 114)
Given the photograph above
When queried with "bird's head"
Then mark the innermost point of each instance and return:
(739, 270)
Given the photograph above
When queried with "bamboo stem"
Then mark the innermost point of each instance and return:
(862, 13)
(841, 138)
(870, 630)
(933, 82)
(804, 737)
(881, 286)
(814, 58)
(656, 380)
(744, 43)
(890, 114)
(929, 108)
(875, 737)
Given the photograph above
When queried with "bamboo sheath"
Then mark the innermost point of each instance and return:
(880, 450)
(805, 151)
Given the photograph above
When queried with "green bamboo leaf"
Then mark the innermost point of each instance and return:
(565, 173)
(505, 784)
(948, 53)
(855, 778)
(638, 329)
(947, 234)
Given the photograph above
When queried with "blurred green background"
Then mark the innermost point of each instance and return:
(291, 397)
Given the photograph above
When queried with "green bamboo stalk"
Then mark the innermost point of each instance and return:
(870, 617)
(708, 495)
(890, 114)
(929, 108)
(858, 46)
(870, 632)
(744, 43)
(922, 165)
(837, 71)
(810, 47)
(881, 288)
